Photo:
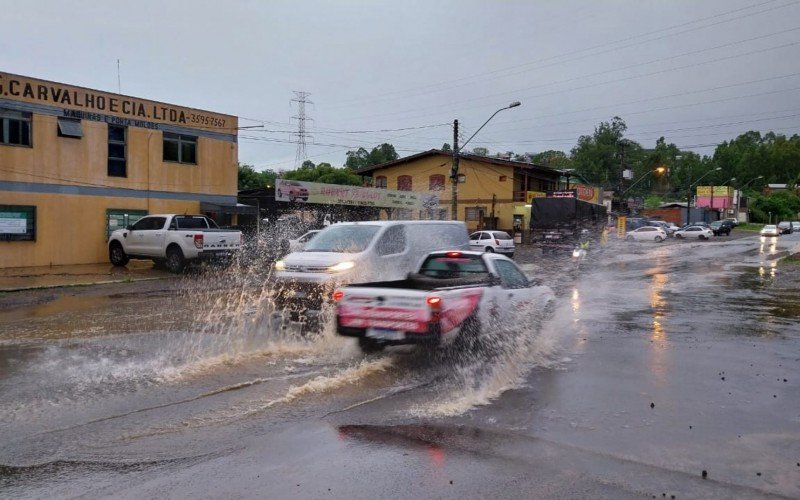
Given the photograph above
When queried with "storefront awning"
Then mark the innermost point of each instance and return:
(219, 208)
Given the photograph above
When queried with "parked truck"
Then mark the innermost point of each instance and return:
(173, 240)
(561, 220)
(454, 294)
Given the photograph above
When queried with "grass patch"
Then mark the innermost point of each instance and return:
(749, 227)
(790, 260)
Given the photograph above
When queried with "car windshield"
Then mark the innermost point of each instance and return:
(500, 235)
(343, 238)
(769, 227)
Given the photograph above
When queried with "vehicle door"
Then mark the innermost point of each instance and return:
(393, 256)
(514, 284)
(135, 242)
(474, 241)
(153, 237)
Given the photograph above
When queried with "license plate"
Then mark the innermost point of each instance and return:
(385, 334)
(552, 237)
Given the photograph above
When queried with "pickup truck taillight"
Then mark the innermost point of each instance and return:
(435, 304)
(198, 241)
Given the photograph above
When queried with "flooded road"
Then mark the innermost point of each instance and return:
(660, 370)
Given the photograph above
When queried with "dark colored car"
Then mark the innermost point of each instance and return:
(721, 227)
(785, 227)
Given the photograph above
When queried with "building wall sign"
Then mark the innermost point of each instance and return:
(314, 192)
(714, 197)
(530, 195)
(588, 193)
(91, 104)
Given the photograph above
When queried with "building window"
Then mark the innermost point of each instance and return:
(120, 218)
(462, 178)
(474, 213)
(17, 223)
(70, 127)
(116, 151)
(180, 148)
(15, 128)
(503, 178)
(436, 182)
(380, 182)
(404, 183)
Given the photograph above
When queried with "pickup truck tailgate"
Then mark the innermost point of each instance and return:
(402, 310)
(221, 240)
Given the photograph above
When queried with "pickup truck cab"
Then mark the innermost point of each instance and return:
(174, 240)
(454, 293)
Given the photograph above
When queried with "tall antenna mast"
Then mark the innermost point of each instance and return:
(301, 98)
(119, 81)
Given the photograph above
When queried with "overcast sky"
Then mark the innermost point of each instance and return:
(697, 72)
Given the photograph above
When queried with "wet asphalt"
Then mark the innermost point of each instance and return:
(660, 370)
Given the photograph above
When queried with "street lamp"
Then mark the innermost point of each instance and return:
(739, 197)
(457, 151)
(689, 193)
(659, 170)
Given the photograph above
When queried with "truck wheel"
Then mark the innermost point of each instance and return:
(679, 236)
(175, 260)
(117, 255)
(369, 346)
(292, 197)
(489, 249)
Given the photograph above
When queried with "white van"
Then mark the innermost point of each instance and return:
(360, 252)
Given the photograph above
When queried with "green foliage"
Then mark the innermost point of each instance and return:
(360, 158)
(551, 158)
(480, 151)
(783, 205)
(599, 157)
(250, 179)
(653, 201)
(324, 173)
(446, 147)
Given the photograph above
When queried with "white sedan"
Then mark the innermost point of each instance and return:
(770, 230)
(699, 232)
(647, 233)
(492, 241)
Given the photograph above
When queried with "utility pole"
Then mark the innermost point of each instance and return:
(301, 98)
(454, 175)
(494, 201)
(621, 174)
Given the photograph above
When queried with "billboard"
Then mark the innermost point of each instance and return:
(333, 194)
(714, 197)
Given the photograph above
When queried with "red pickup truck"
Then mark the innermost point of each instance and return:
(453, 293)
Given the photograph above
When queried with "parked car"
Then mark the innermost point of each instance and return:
(297, 244)
(795, 226)
(770, 230)
(492, 241)
(173, 240)
(699, 232)
(721, 227)
(663, 225)
(732, 220)
(647, 233)
(785, 227)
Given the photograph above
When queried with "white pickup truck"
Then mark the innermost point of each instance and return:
(173, 240)
(454, 293)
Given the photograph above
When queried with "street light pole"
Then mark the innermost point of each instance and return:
(456, 153)
(689, 193)
(739, 197)
(660, 170)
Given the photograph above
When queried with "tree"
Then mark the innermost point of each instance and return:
(601, 156)
(551, 158)
(783, 205)
(324, 173)
(248, 178)
(360, 158)
(446, 147)
(480, 151)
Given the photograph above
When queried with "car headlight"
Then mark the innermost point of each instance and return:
(342, 266)
(280, 266)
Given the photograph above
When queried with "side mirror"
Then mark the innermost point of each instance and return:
(130, 227)
(534, 282)
(494, 280)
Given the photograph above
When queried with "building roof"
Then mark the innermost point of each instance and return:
(466, 156)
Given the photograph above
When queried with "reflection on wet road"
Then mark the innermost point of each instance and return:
(655, 363)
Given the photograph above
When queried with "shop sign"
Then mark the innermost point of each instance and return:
(13, 223)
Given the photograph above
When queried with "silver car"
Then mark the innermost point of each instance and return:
(698, 232)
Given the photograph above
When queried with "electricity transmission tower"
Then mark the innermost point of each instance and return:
(301, 98)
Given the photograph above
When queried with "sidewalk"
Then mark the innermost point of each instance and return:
(29, 278)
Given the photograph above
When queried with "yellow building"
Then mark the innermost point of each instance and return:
(492, 192)
(77, 163)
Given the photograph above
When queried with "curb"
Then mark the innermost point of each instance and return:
(70, 285)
